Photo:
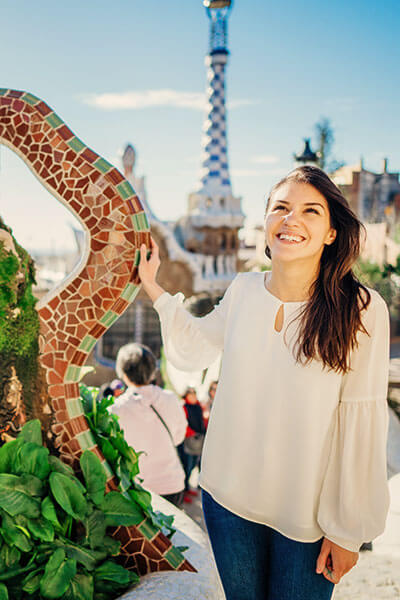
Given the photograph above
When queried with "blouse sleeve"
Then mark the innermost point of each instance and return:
(192, 343)
(354, 499)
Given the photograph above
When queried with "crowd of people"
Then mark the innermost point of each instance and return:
(167, 430)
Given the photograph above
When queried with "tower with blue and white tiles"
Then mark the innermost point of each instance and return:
(214, 217)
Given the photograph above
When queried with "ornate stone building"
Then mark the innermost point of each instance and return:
(374, 197)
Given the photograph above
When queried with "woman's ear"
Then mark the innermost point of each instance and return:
(331, 237)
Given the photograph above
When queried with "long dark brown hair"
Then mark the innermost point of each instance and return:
(331, 319)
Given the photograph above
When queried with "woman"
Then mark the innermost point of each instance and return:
(294, 463)
(153, 422)
(190, 449)
(212, 390)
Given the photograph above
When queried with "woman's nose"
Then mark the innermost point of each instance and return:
(290, 216)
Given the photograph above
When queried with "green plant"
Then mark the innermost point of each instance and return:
(123, 460)
(373, 276)
(53, 534)
(19, 320)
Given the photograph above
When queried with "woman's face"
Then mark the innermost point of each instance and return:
(297, 223)
(191, 397)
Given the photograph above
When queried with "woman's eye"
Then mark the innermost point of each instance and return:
(280, 207)
(312, 210)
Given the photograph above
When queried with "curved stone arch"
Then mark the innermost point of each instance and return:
(75, 314)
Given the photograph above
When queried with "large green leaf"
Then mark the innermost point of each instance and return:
(88, 558)
(59, 467)
(10, 556)
(141, 496)
(15, 535)
(33, 459)
(88, 396)
(68, 495)
(110, 571)
(3, 592)
(41, 529)
(110, 453)
(31, 583)
(30, 484)
(95, 476)
(120, 511)
(16, 500)
(111, 545)
(95, 524)
(32, 432)
(49, 512)
(58, 575)
(81, 588)
(7, 453)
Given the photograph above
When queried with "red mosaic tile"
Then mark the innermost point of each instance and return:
(115, 176)
(43, 109)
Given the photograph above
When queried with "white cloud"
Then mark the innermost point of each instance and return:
(265, 159)
(153, 98)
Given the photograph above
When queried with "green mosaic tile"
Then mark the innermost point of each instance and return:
(109, 472)
(126, 190)
(3, 91)
(30, 99)
(174, 557)
(137, 258)
(130, 292)
(87, 344)
(109, 318)
(72, 373)
(148, 529)
(54, 120)
(140, 222)
(86, 440)
(76, 144)
(102, 165)
(74, 407)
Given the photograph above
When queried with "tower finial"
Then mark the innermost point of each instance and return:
(217, 11)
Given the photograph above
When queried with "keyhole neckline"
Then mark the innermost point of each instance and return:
(275, 298)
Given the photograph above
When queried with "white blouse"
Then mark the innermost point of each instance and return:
(299, 448)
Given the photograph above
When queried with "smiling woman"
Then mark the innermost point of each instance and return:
(315, 238)
(294, 466)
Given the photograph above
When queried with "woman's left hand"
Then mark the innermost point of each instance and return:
(334, 561)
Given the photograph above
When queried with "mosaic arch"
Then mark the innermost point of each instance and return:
(78, 312)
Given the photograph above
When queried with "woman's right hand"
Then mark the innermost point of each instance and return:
(148, 268)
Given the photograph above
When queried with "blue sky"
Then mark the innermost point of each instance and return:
(291, 63)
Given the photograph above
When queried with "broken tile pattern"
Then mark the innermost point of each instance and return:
(79, 314)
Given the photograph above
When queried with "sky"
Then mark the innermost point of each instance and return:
(133, 71)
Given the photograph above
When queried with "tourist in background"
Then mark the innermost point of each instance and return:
(115, 388)
(190, 450)
(212, 389)
(153, 422)
(294, 464)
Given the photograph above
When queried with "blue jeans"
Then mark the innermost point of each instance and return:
(255, 562)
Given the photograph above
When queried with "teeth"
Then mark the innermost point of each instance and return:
(291, 238)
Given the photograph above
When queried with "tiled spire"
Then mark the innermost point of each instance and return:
(214, 177)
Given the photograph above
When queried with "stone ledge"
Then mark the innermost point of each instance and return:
(173, 585)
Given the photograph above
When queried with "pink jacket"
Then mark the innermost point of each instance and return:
(160, 467)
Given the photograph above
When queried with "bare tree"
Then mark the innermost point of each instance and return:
(325, 138)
